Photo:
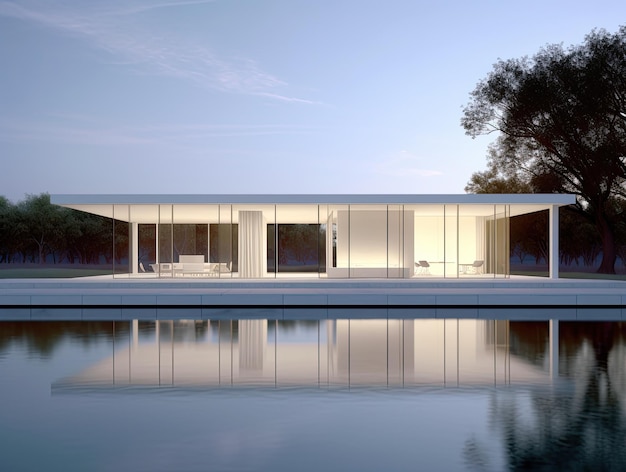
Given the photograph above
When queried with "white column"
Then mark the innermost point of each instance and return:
(554, 241)
(408, 242)
(134, 247)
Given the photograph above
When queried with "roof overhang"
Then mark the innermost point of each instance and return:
(325, 199)
(189, 208)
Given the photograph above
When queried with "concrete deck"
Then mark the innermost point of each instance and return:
(106, 298)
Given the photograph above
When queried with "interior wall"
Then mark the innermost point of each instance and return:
(467, 240)
(372, 243)
(429, 241)
(446, 242)
(408, 248)
(368, 238)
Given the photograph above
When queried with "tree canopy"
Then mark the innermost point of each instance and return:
(561, 119)
(36, 231)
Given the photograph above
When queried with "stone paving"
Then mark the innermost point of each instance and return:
(110, 298)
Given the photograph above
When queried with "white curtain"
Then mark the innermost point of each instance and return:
(252, 245)
(252, 343)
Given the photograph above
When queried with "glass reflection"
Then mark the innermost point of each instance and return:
(321, 353)
(510, 412)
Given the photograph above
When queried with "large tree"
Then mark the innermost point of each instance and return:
(561, 121)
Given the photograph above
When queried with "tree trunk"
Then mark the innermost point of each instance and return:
(609, 253)
(42, 257)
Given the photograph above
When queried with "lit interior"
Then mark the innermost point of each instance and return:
(336, 240)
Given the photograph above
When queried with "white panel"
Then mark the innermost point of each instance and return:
(368, 238)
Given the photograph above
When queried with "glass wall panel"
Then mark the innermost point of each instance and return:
(298, 353)
(451, 248)
(529, 242)
(395, 242)
(121, 241)
(272, 255)
(298, 246)
(300, 240)
(502, 252)
(227, 345)
(472, 222)
(326, 240)
(209, 215)
(146, 252)
(165, 238)
(429, 357)
(144, 245)
(223, 243)
(368, 251)
(337, 219)
(429, 241)
(498, 242)
(190, 239)
(400, 348)
(338, 333)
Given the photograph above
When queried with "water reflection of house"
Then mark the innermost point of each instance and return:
(326, 353)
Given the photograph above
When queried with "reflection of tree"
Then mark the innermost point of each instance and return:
(577, 429)
(528, 339)
(43, 338)
(223, 241)
(120, 245)
(292, 325)
(225, 330)
(146, 251)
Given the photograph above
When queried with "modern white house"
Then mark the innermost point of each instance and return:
(320, 236)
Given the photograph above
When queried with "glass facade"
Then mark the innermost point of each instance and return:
(311, 240)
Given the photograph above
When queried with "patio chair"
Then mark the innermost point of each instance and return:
(424, 268)
(473, 268)
(477, 267)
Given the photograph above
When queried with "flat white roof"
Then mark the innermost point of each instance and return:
(296, 208)
(371, 199)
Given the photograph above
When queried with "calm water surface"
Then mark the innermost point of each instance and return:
(364, 395)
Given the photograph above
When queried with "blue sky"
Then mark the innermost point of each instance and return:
(257, 96)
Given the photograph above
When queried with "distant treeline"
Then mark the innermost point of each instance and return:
(36, 231)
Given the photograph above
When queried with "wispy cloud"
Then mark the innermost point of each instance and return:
(112, 26)
(404, 164)
(87, 130)
(122, 7)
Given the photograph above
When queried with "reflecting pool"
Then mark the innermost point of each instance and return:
(357, 394)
